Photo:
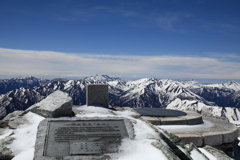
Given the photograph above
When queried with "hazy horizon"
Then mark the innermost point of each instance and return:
(51, 77)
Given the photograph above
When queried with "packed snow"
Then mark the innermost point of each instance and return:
(25, 137)
(6, 133)
(130, 149)
(195, 153)
(209, 155)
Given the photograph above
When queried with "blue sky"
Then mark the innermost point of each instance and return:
(176, 39)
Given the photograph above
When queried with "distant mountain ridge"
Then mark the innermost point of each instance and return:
(146, 92)
(7, 85)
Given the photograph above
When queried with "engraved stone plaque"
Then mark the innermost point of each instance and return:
(77, 148)
(81, 136)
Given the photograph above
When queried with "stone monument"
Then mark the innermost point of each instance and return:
(80, 138)
(97, 94)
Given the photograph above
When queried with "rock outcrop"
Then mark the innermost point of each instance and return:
(6, 153)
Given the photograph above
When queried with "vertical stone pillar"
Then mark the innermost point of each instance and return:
(97, 94)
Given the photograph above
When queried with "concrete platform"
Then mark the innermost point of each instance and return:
(159, 112)
(191, 118)
(212, 132)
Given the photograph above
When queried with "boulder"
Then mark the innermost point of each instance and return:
(6, 153)
(55, 105)
(14, 122)
(13, 114)
(3, 124)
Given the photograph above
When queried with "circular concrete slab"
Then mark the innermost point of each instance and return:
(191, 118)
(159, 112)
(211, 132)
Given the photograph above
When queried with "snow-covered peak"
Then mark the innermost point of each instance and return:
(190, 84)
(100, 78)
(143, 82)
(229, 85)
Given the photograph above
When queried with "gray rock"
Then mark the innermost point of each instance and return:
(6, 153)
(55, 105)
(14, 122)
(169, 154)
(193, 147)
(6, 140)
(220, 155)
(13, 114)
(3, 124)
(172, 141)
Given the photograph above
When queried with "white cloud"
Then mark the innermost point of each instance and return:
(27, 62)
(171, 21)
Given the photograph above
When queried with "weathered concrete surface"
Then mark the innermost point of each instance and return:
(191, 118)
(159, 112)
(213, 132)
(55, 105)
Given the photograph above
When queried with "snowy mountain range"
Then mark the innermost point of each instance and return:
(7, 85)
(146, 92)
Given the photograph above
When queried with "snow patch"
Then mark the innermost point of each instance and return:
(140, 148)
(6, 133)
(196, 155)
(209, 155)
(25, 137)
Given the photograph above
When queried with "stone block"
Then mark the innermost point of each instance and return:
(97, 94)
(55, 105)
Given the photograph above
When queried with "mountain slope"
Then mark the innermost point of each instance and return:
(231, 113)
